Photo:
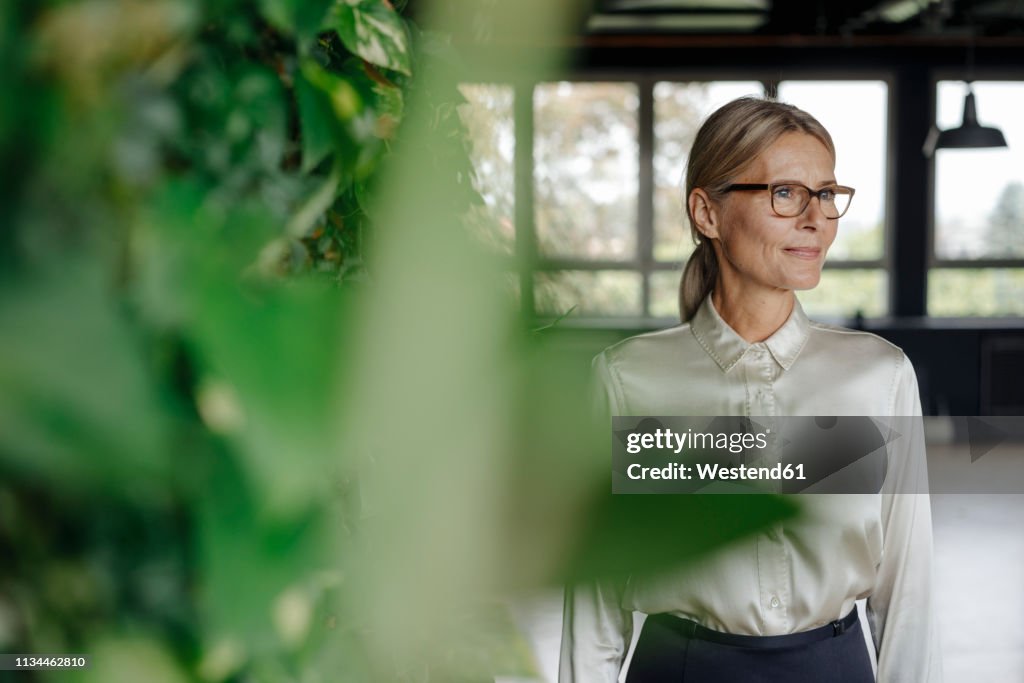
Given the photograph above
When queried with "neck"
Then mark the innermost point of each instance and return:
(754, 316)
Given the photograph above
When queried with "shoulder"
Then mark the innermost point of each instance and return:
(837, 338)
(866, 355)
(638, 367)
(645, 346)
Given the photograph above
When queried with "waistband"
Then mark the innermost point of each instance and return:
(693, 630)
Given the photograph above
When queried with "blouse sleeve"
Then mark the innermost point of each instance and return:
(901, 612)
(596, 630)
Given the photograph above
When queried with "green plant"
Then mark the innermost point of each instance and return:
(229, 449)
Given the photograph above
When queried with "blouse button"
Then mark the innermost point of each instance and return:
(775, 602)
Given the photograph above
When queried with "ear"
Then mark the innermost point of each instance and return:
(705, 213)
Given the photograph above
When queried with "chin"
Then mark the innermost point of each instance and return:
(804, 284)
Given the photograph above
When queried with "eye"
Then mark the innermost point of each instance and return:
(827, 195)
(784, 192)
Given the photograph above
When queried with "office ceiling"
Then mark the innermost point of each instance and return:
(847, 18)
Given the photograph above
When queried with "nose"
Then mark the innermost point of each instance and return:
(813, 215)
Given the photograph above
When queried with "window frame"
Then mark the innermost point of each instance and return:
(528, 259)
(934, 262)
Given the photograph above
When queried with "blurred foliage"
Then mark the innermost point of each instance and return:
(586, 169)
(593, 293)
(489, 119)
(848, 293)
(976, 291)
(266, 413)
(1003, 236)
(186, 186)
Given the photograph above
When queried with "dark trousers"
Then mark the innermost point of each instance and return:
(677, 650)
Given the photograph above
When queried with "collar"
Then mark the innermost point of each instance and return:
(726, 347)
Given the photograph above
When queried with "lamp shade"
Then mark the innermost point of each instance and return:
(970, 134)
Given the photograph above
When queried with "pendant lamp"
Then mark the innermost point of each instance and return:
(970, 134)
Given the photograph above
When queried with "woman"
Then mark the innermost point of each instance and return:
(764, 205)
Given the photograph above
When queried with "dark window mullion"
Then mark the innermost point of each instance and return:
(912, 99)
(526, 234)
(856, 265)
(645, 202)
(556, 264)
(977, 263)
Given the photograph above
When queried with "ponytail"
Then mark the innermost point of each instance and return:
(698, 279)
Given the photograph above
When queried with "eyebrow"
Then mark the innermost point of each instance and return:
(823, 183)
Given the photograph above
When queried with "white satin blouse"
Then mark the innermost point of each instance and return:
(794, 576)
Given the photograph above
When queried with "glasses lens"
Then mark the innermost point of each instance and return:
(835, 201)
(792, 200)
(789, 200)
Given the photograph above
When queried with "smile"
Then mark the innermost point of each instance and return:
(809, 253)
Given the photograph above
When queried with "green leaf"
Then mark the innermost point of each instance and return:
(304, 17)
(316, 122)
(280, 353)
(247, 560)
(123, 658)
(390, 101)
(271, 356)
(279, 13)
(77, 405)
(641, 534)
(342, 104)
(260, 107)
(374, 32)
(314, 206)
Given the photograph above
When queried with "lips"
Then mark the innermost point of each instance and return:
(809, 253)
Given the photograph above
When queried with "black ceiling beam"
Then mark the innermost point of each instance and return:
(814, 17)
(684, 11)
(761, 55)
(828, 17)
(771, 57)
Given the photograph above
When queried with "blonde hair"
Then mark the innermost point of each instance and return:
(731, 138)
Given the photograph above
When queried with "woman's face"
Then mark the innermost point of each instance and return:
(757, 248)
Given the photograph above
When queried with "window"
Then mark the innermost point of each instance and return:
(586, 196)
(978, 239)
(488, 117)
(854, 112)
(606, 235)
(679, 109)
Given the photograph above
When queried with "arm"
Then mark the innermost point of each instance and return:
(596, 630)
(595, 634)
(901, 611)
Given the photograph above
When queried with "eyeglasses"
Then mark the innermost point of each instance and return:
(791, 199)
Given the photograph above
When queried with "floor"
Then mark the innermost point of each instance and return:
(979, 574)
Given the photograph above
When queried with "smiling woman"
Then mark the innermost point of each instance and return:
(759, 257)
(764, 207)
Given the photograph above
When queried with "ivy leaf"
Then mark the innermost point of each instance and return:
(303, 17)
(376, 33)
(316, 122)
(390, 103)
(346, 107)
